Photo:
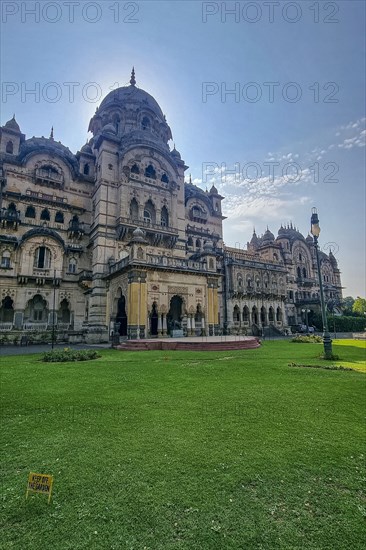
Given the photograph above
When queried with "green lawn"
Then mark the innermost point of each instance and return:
(185, 450)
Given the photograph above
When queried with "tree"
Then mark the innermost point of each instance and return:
(359, 306)
(348, 302)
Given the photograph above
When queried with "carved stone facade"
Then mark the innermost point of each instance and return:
(113, 240)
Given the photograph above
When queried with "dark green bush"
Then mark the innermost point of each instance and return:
(65, 355)
(341, 323)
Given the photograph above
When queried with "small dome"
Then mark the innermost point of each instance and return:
(109, 129)
(138, 236)
(268, 236)
(309, 239)
(12, 124)
(213, 191)
(254, 239)
(86, 149)
(175, 153)
(332, 259)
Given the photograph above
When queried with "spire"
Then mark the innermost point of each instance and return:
(133, 80)
(190, 178)
(51, 135)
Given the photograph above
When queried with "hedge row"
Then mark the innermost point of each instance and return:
(341, 323)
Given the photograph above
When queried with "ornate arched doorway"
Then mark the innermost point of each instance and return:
(121, 317)
(254, 315)
(174, 317)
(154, 320)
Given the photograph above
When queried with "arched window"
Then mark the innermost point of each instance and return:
(279, 315)
(86, 169)
(300, 257)
(149, 212)
(7, 310)
(140, 253)
(304, 272)
(72, 265)
(37, 308)
(240, 282)
(10, 147)
(5, 259)
(12, 209)
(164, 217)
(246, 314)
(298, 270)
(275, 257)
(145, 124)
(64, 314)
(198, 243)
(211, 264)
(45, 215)
(263, 316)
(59, 217)
(134, 209)
(236, 314)
(190, 241)
(135, 169)
(254, 315)
(116, 121)
(271, 315)
(164, 178)
(42, 258)
(150, 172)
(30, 212)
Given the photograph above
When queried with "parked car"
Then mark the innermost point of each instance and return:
(305, 330)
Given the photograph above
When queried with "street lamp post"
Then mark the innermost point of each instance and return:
(306, 311)
(53, 312)
(315, 231)
(138, 307)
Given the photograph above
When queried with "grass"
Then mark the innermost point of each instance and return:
(185, 450)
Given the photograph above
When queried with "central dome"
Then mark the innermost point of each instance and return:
(131, 94)
(130, 111)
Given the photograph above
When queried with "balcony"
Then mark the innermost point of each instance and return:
(49, 177)
(156, 233)
(76, 229)
(85, 279)
(10, 218)
(305, 281)
(198, 215)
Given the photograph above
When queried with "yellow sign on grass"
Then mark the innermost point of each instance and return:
(40, 483)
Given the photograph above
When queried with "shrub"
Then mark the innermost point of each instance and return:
(67, 354)
(327, 367)
(307, 339)
(341, 323)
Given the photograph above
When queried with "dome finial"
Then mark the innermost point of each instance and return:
(51, 134)
(190, 178)
(133, 80)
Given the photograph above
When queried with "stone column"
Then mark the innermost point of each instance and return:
(136, 305)
(189, 329)
(164, 324)
(160, 325)
(203, 326)
(18, 319)
(193, 325)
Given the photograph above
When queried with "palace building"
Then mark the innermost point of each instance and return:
(113, 240)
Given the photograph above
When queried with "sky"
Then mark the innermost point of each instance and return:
(265, 99)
